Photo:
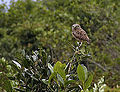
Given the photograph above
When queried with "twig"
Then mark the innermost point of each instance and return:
(100, 66)
(73, 57)
(103, 68)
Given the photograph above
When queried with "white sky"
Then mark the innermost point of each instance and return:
(5, 1)
(8, 1)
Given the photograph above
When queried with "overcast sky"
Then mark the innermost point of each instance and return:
(7, 1)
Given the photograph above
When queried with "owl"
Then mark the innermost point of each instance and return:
(79, 34)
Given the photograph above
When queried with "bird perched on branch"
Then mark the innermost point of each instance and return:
(79, 34)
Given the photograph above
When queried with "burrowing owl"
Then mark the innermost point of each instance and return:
(79, 34)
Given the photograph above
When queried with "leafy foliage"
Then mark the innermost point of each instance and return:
(5, 72)
(35, 73)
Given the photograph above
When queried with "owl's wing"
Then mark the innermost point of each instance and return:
(84, 35)
(81, 35)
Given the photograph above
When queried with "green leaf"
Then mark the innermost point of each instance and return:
(14, 66)
(82, 51)
(50, 67)
(69, 82)
(60, 79)
(91, 90)
(48, 58)
(85, 71)
(45, 81)
(16, 63)
(88, 82)
(20, 90)
(59, 68)
(53, 75)
(34, 78)
(81, 73)
(67, 67)
(62, 73)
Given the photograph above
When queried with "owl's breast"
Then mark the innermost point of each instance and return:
(75, 35)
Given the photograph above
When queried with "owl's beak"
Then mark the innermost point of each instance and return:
(75, 27)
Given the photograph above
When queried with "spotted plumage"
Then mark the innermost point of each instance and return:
(79, 34)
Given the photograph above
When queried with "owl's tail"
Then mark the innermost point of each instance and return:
(88, 41)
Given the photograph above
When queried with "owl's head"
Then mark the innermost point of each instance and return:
(76, 26)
